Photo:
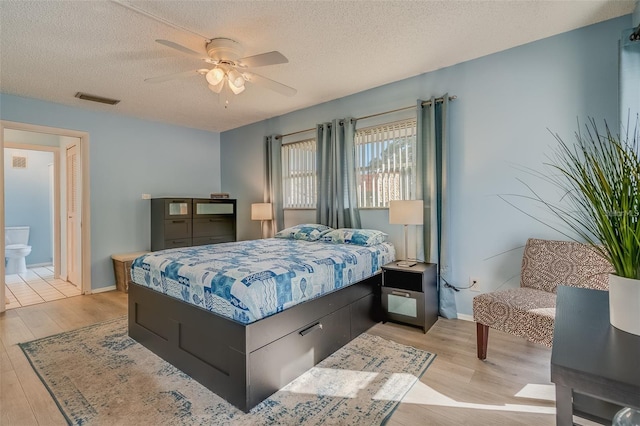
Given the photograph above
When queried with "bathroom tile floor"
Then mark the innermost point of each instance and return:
(36, 286)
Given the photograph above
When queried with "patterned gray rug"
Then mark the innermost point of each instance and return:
(99, 376)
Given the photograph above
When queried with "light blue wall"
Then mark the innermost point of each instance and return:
(630, 75)
(128, 157)
(629, 81)
(506, 102)
(28, 201)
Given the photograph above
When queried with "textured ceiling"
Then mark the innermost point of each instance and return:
(52, 49)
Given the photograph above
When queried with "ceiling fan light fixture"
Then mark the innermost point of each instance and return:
(235, 89)
(235, 78)
(229, 67)
(215, 76)
(218, 87)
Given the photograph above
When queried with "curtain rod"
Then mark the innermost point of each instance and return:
(425, 103)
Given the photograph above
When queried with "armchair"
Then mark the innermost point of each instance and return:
(529, 311)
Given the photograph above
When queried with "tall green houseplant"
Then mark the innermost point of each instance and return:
(600, 177)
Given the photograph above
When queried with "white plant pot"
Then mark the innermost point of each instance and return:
(624, 304)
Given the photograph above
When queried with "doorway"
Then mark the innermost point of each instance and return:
(71, 247)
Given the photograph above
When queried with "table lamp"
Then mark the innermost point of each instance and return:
(261, 212)
(406, 212)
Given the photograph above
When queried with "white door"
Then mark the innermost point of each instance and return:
(52, 204)
(72, 214)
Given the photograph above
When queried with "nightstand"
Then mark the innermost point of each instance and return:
(410, 294)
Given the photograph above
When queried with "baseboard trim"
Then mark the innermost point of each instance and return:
(39, 265)
(103, 289)
(465, 317)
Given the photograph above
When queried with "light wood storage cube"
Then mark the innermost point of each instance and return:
(122, 268)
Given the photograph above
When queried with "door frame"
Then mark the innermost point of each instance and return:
(85, 213)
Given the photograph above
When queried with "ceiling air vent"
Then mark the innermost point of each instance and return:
(94, 98)
(19, 162)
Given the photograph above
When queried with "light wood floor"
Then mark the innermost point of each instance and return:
(511, 388)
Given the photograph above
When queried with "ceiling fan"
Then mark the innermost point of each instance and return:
(230, 69)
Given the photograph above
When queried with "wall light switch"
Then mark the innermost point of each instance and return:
(146, 196)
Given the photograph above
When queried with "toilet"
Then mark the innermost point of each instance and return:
(16, 249)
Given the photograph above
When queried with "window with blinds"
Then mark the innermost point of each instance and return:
(299, 177)
(386, 163)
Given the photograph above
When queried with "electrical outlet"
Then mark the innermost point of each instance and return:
(474, 283)
(146, 196)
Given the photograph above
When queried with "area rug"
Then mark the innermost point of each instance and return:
(98, 375)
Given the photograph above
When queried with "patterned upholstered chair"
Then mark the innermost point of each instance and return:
(529, 311)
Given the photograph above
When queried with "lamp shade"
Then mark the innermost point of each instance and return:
(218, 87)
(261, 211)
(235, 78)
(236, 90)
(215, 76)
(406, 212)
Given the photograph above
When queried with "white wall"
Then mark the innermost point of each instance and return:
(506, 104)
(128, 157)
(31, 138)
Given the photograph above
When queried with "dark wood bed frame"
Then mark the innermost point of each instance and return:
(245, 364)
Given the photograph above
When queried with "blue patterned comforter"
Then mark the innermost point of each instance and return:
(250, 280)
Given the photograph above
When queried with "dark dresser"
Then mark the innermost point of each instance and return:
(184, 222)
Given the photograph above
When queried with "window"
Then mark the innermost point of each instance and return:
(299, 175)
(386, 163)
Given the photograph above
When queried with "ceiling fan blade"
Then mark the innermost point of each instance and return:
(163, 78)
(259, 80)
(181, 48)
(263, 59)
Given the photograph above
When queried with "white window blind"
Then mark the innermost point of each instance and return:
(386, 163)
(299, 177)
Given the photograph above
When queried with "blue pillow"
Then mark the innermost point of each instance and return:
(360, 237)
(306, 232)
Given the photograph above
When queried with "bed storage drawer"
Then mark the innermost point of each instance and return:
(279, 362)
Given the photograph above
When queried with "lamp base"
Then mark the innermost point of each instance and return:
(406, 263)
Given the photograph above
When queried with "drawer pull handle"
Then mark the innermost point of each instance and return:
(401, 293)
(314, 327)
(178, 221)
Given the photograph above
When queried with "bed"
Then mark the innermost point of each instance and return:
(246, 318)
